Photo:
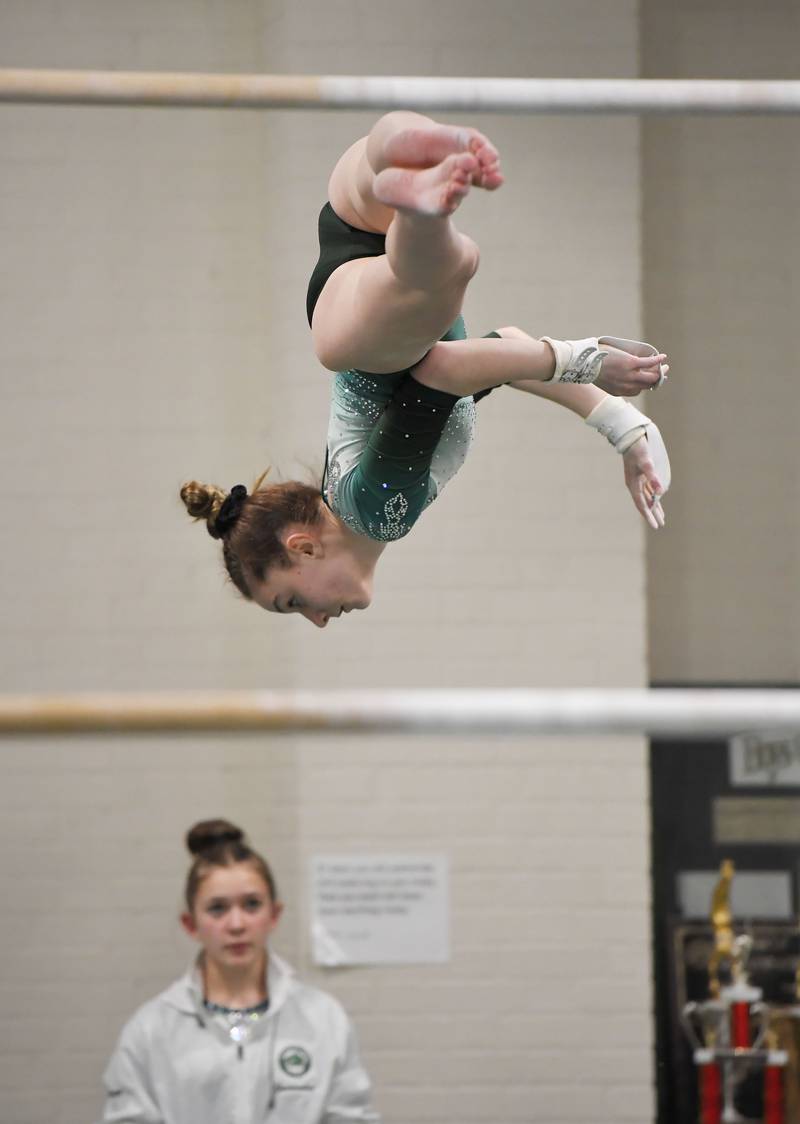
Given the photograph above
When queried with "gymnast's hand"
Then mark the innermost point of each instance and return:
(643, 483)
(625, 374)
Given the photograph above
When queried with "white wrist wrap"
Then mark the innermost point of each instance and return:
(622, 425)
(577, 361)
(619, 422)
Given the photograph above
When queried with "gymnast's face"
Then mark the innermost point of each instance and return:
(233, 915)
(323, 580)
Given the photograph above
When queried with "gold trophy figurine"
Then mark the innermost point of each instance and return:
(722, 920)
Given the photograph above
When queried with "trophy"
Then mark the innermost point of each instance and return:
(784, 1034)
(729, 1030)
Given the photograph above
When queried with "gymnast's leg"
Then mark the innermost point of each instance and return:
(405, 179)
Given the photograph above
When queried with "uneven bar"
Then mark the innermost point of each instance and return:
(484, 95)
(666, 713)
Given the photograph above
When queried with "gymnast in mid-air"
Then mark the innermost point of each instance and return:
(384, 305)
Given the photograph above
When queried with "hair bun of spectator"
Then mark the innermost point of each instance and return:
(207, 834)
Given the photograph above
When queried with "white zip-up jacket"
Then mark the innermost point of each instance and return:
(176, 1064)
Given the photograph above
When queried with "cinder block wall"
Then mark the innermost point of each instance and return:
(721, 240)
(152, 327)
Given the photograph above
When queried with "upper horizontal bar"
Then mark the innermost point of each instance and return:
(484, 95)
(681, 713)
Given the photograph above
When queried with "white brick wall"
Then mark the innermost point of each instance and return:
(547, 845)
(152, 327)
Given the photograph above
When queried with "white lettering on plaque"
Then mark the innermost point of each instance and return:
(768, 759)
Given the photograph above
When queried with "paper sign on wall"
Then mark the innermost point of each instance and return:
(380, 909)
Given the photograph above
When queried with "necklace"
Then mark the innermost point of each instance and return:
(238, 1020)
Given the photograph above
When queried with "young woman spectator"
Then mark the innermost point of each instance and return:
(238, 1039)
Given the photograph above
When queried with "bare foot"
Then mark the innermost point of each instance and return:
(429, 191)
(427, 147)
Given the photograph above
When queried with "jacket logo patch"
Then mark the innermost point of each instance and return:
(295, 1061)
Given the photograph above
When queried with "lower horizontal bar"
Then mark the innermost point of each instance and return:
(680, 713)
(339, 91)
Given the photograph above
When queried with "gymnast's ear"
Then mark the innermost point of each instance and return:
(302, 541)
(189, 924)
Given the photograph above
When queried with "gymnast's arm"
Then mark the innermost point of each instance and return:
(512, 357)
(464, 367)
(641, 476)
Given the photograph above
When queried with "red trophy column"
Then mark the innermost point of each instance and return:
(774, 1076)
(710, 1087)
(740, 998)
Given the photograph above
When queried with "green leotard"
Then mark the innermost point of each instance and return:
(393, 443)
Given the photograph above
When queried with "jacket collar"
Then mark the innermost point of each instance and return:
(186, 994)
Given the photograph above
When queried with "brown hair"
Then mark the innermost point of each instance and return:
(220, 843)
(251, 543)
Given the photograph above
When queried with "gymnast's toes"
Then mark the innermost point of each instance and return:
(488, 175)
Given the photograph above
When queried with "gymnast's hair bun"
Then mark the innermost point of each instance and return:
(208, 834)
(203, 501)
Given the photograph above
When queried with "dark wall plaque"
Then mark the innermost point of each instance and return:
(688, 782)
